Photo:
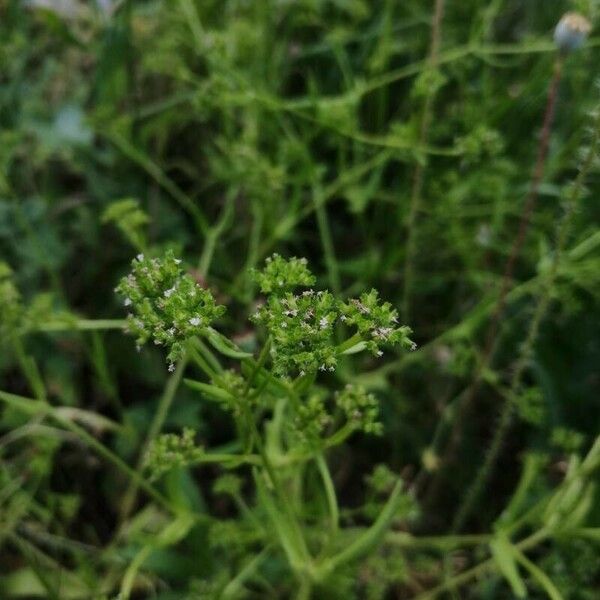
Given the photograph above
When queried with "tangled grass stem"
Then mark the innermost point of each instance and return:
(470, 394)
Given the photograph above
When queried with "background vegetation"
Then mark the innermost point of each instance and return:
(340, 131)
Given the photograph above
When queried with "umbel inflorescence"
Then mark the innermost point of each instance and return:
(170, 308)
(302, 325)
(167, 305)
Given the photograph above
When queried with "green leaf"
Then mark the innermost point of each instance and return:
(221, 344)
(359, 347)
(539, 575)
(212, 391)
(176, 530)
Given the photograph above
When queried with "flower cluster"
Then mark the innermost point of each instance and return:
(377, 322)
(233, 384)
(311, 418)
(281, 275)
(169, 451)
(301, 327)
(360, 409)
(168, 306)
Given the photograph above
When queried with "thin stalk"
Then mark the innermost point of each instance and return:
(156, 426)
(442, 542)
(111, 457)
(305, 589)
(367, 540)
(419, 172)
(215, 232)
(83, 325)
(326, 239)
(235, 586)
(332, 503)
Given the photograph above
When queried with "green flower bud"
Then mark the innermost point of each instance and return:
(280, 275)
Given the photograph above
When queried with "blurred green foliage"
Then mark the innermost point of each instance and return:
(224, 131)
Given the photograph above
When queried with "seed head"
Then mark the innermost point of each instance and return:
(571, 32)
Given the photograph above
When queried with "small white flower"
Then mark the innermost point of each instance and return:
(127, 302)
(171, 331)
(195, 321)
(169, 292)
(140, 257)
(302, 373)
(171, 367)
(382, 332)
(323, 323)
(177, 261)
(343, 318)
(379, 353)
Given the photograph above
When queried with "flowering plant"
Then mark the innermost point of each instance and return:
(286, 420)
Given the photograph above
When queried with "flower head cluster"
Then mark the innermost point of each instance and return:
(169, 451)
(301, 327)
(311, 419)
(168, 306)
(280, 275)
(360, 409)
(377, 322)
(571, 32)
(232, 383)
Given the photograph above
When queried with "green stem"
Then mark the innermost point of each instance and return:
(234, 587)
(442, 542)
(82, 325)
(111, 457)
(326, 239)
(368, 539)
(480, 569)
(215, 232)
(334, 513)
(156, 426)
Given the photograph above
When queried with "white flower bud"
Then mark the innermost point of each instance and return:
(571, 32)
